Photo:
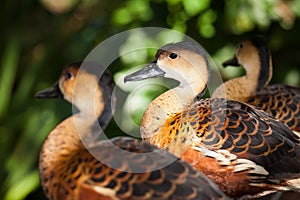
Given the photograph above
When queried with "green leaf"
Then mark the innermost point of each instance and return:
(193, 7)
(9, 64)
(23, 187)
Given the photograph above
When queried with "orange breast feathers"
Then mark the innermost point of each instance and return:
(219, 124)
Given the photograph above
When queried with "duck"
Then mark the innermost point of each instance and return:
(279, 100)
(117, 169)
(245, 151)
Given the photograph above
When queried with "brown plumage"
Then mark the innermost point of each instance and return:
(244, 150)
(279, 100)
(121, 168)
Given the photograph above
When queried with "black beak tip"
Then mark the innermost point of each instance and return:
(126, 79)
(135, 76)
(131, 77)
(231, 62)
(42, 95)
(53, 92)
(225, 64)
(39, 95)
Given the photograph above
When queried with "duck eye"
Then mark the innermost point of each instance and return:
(173, 55)
(241, 45)
(68, 75)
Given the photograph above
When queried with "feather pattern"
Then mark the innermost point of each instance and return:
(242, 149)
(118, 169)
(279, 100)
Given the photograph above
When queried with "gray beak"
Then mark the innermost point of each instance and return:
(53, 92)
(149, 71)
(232, 62)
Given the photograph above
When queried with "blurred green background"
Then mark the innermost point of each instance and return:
(39, 37)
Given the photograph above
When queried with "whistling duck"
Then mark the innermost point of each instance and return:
(242, 149)
(281, 101)
(122, 168)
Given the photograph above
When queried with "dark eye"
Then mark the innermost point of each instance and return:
(173, 55)
(68, 75)
(241, 45)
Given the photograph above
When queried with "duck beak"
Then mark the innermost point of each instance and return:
(232, 62)
(53, 92)
(149, 71)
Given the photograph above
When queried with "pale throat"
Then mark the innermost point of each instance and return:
(173, 101)
(241, 88)
(71, 132)
(91, 106)
(252, 68)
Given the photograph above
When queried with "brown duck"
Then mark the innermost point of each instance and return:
(242, 149)
(280, 100)
(117, 169)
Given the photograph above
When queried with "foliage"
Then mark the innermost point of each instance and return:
(40, 37)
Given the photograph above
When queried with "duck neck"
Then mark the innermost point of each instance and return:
(94, 105)
(165, 106)
(259, 68)
(266, 69)
(74, 134)
(258, 75)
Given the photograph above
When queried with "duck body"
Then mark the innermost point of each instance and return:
(279, 100)
(242, 149)
(118, 169)
(86, 176)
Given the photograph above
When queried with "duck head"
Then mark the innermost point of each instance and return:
(65, 85)
(185, 62)
(82, 88)
(253, 54)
